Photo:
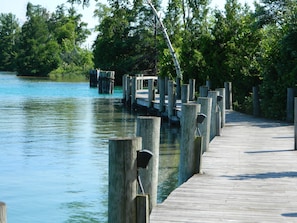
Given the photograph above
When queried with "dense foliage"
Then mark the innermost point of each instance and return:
(247, 47)
(47, 44)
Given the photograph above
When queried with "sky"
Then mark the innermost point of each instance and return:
(18, 8)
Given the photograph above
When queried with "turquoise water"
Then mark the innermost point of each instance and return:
(54, 150)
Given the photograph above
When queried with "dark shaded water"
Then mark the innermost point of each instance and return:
(54, 150)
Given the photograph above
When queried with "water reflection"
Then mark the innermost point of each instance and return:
(54, 150)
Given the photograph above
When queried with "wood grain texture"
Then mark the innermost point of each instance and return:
(249, 175)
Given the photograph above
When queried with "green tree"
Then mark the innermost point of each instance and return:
(38, 49)
(9, 31)
(277, 20)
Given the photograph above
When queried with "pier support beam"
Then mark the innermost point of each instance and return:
(204, 127)
(162, 89)
(123, 179)
(222, 106)
(214, 114)
(149, 129)
(228, 88)
(189, 156)
(192, 83)
(185, 93)
(203, 91)
(3, 218)
(295, 122)
(170, 99)
(290, 104)
(256, 101)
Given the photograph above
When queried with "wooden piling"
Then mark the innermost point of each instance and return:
(93, 78)
(295, 122)
(128, 89)
(148, 128)
(133, 91)
(142, 203)
(123, 179)
(188, 155)
(228, 88)
(151, 93)
(106, 82)
(203, 91)
(178, 88)
(290, 104)
(185, 93)
(170, 99)
(204, 127)
(222, 105)
(3, 217)
(192, 83)
(256, 101)
(214, 112)
(161, 82)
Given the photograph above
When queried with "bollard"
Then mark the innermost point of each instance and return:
(214, 113)
(188, 156)
(256, 101)
(204, 127)
(192, 83)
(185, 93)
(3, 217)
(123, 179)
(295, 122)
(222, 105)
(228, 93)
(149, 129)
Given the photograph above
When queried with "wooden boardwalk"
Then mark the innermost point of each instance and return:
(249, 175)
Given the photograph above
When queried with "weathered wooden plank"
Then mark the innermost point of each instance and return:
(250, 175)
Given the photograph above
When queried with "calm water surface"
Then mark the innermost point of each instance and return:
(54, 150)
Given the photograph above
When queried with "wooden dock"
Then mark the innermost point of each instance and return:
(249, 175)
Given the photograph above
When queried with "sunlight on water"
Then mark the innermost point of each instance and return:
(54, 150)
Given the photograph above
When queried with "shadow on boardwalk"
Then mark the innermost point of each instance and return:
(249, 175)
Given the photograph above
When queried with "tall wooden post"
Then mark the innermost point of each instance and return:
(149, 129)
(192, 83)
(204, 127)
(189, 159)
(170, 99)
(151, 92)
(123, 179)
(214, 111)
(222, 105)
(178, 88)
(134, 91)
(128, 89)
(185, 93)
(290, 104)
(256, 101)
(161, 83)
(228, 88)
(203, 91)
(295, 122)
(3, 218)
